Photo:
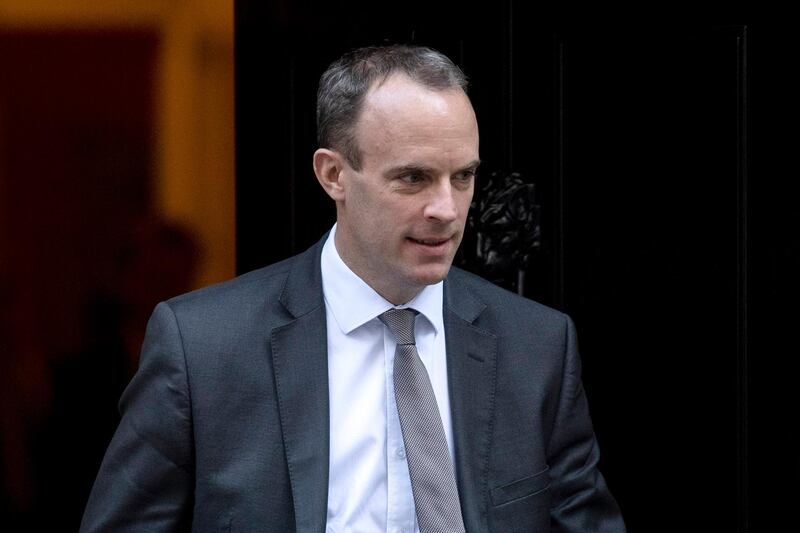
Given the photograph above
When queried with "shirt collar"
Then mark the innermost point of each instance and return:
(353, 303)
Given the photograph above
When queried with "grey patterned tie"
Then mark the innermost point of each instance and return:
(433, 481)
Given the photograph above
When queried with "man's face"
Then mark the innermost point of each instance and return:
(401, 216)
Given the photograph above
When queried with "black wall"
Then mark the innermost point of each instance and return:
(660, 153)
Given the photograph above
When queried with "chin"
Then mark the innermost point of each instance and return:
(431, 276)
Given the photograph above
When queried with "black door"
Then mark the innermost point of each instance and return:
(649, 161)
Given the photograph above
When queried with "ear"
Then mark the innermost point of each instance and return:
(328, 167)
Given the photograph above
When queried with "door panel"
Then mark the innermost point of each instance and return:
(664, 221)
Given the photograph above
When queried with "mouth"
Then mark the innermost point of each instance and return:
(432, 247)
(433, 243)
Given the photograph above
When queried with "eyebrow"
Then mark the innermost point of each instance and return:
(473, 165)
(421, 169)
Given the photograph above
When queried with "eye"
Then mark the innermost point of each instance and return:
(412, 178)
(465, 176)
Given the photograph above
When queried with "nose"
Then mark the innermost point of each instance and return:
(442, 204)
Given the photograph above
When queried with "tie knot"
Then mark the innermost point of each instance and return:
(401, 323)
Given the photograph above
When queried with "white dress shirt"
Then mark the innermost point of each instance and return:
(369, 488)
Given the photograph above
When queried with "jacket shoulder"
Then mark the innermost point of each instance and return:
(505, 306)
(266, 282)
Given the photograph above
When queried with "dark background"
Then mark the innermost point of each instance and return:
(659, 147)
(660, 143)
(87, 243)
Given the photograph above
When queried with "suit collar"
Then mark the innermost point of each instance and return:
(299, 352)
(300, 363)
(471, 369)
(459, 299)
(302, 292)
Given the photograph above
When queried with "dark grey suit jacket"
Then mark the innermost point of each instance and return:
(225, 425)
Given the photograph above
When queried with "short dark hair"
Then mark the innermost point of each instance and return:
(345, 83)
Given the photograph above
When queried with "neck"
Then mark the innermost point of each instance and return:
(388, 291)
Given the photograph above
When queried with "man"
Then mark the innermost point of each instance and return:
(363, 385)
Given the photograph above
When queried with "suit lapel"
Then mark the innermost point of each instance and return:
(471, 369)
(300, 362)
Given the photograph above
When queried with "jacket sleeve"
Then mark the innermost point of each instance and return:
(581, 500)
(146, 479)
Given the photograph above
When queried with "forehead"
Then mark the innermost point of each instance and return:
(402, 117)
